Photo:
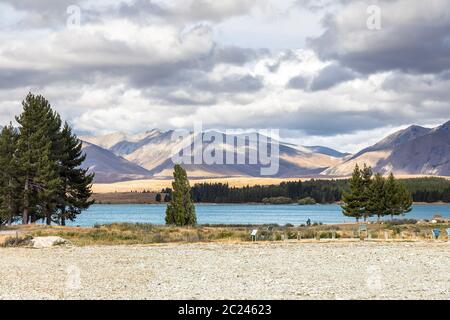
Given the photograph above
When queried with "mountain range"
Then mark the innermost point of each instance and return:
(120, 157)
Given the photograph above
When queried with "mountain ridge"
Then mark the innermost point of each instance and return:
(415, 150)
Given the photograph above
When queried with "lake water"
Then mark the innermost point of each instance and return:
(237, 214)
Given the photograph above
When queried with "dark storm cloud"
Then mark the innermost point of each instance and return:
(236, 55)
(197, 83)
(17, 78)
(142, 7)
(327, 78)
(331, 76)
(298, 82)
(287, 55)
(414, 43)
(232, 84)
(332, 122)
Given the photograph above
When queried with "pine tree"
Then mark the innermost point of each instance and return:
(75, 182)
(48, 182)
(399, 200)
(366, 176)
(181, 210)
(55, 188)
(353, 205)
(37, 165)
(405, 200)
(377, 201)
(10, 188)
(158, 197)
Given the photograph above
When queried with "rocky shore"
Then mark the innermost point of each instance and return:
(356, 270)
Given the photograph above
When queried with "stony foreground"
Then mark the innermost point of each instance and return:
(229, 271)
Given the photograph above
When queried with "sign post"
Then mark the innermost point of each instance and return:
(254, 234)
(436, 233)
(362, 228)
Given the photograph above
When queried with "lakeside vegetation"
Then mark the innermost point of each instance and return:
(427, 190)
(372, 195)
(141, 234)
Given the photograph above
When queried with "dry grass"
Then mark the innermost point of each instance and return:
(156, 185)
(129, 234)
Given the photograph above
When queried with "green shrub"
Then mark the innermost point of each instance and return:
(308, 234)
(288, 225)
(306, 201)
(277, 200)
(398, 222)
(17, 242)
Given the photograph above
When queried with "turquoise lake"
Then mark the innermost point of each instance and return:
(237, 214)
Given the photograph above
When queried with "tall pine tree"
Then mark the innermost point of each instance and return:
(366, 176)
(34, 157)
(181, 210)
(353, 200)
(377, 203)
(49, 157)
(75, 187)
(10, 188)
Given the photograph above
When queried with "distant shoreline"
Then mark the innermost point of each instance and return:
(136, 198)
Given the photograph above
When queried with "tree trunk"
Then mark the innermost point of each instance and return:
(25, 215)
(63, 216)
(48, 219)
(26, 204)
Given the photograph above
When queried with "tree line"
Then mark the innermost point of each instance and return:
(41, 176)
(322, 191)
(432, 189)
(372, 195)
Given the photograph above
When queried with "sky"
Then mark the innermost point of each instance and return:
(338, 73)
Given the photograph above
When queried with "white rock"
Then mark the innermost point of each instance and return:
(47, 242)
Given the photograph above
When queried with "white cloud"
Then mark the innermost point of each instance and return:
(135, 65)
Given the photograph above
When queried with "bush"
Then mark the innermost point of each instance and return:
(306, 201)
(277, 200)
(329, 235)
(399, 222)
(17, 242)
(289, 225)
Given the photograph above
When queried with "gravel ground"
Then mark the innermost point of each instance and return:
(229, 271)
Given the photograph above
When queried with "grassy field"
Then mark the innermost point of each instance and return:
(129, 234)
(156, 185)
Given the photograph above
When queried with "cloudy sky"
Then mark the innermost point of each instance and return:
(337, 73)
